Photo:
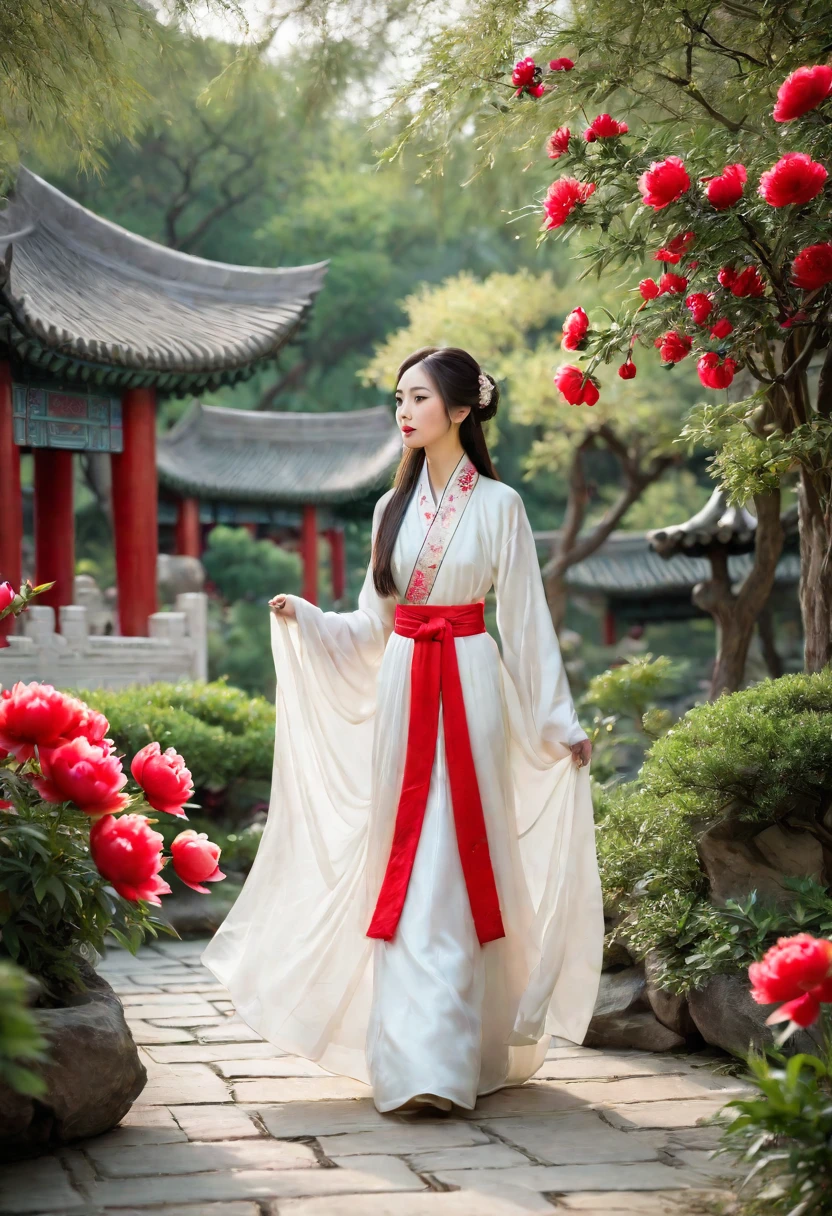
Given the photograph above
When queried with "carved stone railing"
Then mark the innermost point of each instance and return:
(176, 648)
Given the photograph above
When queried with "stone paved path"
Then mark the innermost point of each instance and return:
(228, 1127)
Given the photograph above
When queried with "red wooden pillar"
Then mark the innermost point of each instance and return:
(338, 564)
(309, 552)
(609, 627)
(11, 506)
(135, 512)
(54, 526)
(188, 538)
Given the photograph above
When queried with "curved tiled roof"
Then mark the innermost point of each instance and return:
(82, 299)
(250, 456)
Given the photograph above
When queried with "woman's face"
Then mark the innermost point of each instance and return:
(420, 411)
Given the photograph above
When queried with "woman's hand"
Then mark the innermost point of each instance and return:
(281, 605)
(581, 752)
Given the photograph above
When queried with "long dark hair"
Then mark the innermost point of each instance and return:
(456, 376)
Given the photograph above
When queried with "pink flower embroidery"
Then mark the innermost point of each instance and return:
(442, 526)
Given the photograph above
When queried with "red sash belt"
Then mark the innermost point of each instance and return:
(434, 669)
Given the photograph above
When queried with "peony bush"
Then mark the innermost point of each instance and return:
(784, 1131)
(79, 857)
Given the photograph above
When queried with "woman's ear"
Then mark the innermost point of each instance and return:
(459, 413)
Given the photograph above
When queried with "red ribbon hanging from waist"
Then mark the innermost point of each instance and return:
(433, 670)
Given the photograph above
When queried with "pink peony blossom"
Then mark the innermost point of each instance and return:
(128, 853)
(165, 780)
(663, 183)
(195, 860)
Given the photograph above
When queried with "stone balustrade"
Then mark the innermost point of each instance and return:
(176, 648)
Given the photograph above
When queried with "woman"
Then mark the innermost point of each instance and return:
(424, 910)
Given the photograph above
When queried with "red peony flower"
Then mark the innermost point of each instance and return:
(575, 330)
(627, 371)
(726, 190)
(795, 179)
(604, 127)
(722, 328)
(649, 289)
(802, 91)
(561, 65)
(562, 197)
(715, 372)
(524, 71)
(91, 725)
(35, 715)
(128, 853)
(557, 144)
(700, 307)
(84, 773)
(812, 268)
(672, 284)
(748, 282)
(526, 75)
(673, 346)
(676, 249)
(162, 775)
(195, 860)
(570, 381)
(797, 970)
(663, 183)
(7, 594)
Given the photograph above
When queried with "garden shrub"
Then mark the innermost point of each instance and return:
(759, 756)
(223, 733)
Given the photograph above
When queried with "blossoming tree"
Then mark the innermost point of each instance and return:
(708, 181)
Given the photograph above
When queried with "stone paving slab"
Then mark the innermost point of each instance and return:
(598, 1065)
(299, 1089)
(216, 1123)
(322, 1118)
(479, 1157)
(209, 1053)
(234, 1208)
(38, 1186)
(172, 1084)
(664, 1114)
(112, 1161)
(401, 1138)
(646, 1176)
(369, 1174)
(662, 1203)
(578, 1138)
(228, 1125)
(500, 1201)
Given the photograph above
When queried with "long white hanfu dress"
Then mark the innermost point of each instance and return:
(431, 1011)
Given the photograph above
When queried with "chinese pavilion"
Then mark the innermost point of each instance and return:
(282, 471)
(95, 323)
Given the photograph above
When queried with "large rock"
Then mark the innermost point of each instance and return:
(671, 1010)
(623, 1018)
(638, 1029)
(727, 1017)
(737, 864)
(93, 1077)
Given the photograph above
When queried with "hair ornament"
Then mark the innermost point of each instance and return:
(486, 390)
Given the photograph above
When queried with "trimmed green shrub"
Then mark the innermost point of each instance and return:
(753, 758)
(223, 733)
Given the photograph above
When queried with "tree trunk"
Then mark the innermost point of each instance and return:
(765, 628)
(735, 614)
(815, 572)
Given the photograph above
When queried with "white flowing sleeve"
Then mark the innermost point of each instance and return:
(552, 799)
(531, 653)
(293, 950)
